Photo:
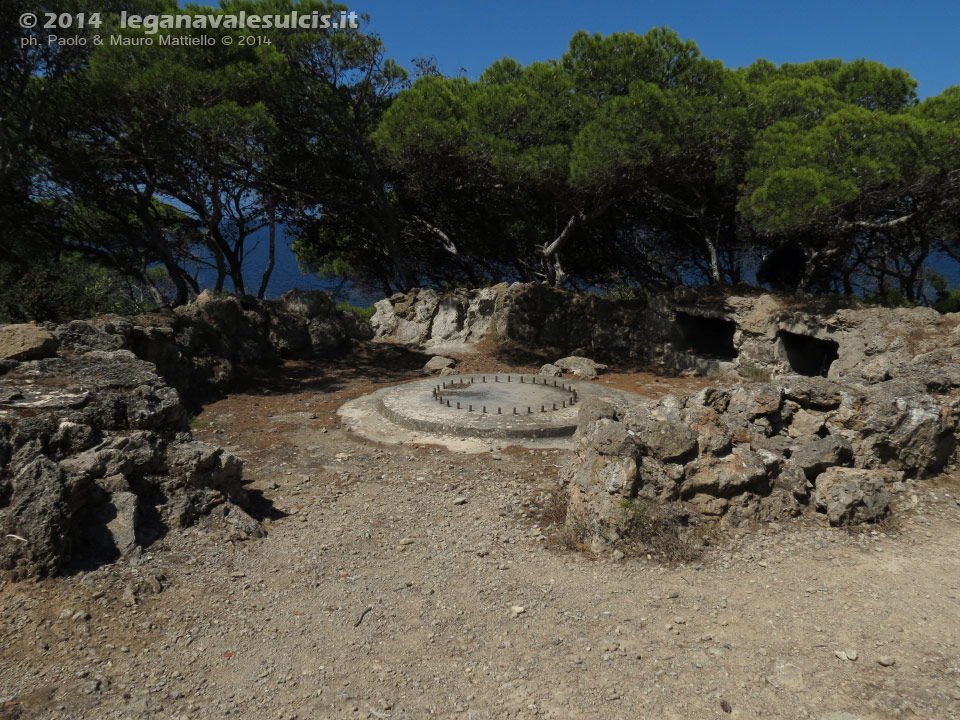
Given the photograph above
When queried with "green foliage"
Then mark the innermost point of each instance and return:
(632, 157)
(890, 297)
(363, 313)
(948, 302)
(753, 373)
(61, 288)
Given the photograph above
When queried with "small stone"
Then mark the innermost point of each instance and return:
(886, 661)
(438, 363)
(406, 541)
(460, 501)
(518, 610)
(673, 594)
(851, 655)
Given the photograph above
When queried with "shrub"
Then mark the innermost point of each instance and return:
(364, 313)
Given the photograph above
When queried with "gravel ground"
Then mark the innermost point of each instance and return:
(410, 582)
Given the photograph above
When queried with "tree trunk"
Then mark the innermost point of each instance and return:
(272, 254)
(221, 268)
(809, 268)
(715, 277)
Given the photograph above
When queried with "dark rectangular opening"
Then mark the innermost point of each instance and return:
(708, 337)
(808, 355)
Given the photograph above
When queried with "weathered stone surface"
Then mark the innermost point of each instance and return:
(793, 479)
(666, 440)
(714, 437)
(756, 399)
(804, 423)
(581, 367)
(122, 528)
(308, 303)
(851, 495)
(93, 441)
(871, 344)
(448, 320)
(594, 408)
(26, 342)
(709, 505)
(812, 392)
(551, 370)
(658, 481)
(326, 335)
(41, 495)
(724, 477)
(598, 491)
(757, 453)
(609, 437)
(438, 363)
(813, 455)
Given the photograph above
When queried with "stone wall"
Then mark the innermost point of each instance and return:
(197, 348)
(532, 315)
(746, 335)
(96, 457)
(758, 452)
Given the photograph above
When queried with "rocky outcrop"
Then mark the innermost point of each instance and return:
(580, 367)
(26, 342)
(438, 363)
(199, 347)
(758, 452)
(529, 314)
(96, 460)
(750, 336)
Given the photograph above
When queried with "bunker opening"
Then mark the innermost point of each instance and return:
(808, 355)
(708, 337)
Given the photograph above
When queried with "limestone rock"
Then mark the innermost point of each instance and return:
(709, 505)
(812, 392)
(581, 367)
(122, 528)
(308, 303)
(714, 436)
(438, 363)
(448, 320)
(814, 455)
(384, 320)
(26, 342)
(851, 496)
(804, 423)
(39, 512)
(326, 335)
(723, 477)
(668, 441)
(756, 399)
(550, 370)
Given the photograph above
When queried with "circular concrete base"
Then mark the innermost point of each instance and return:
(482, 406)
(494, 410)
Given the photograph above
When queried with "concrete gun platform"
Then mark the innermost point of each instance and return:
(464, 410)
(486, 406)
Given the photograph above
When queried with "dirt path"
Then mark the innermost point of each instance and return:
(411, 582)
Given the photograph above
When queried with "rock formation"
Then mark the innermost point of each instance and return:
(96, 457)
(750, 336)
(759, 452)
